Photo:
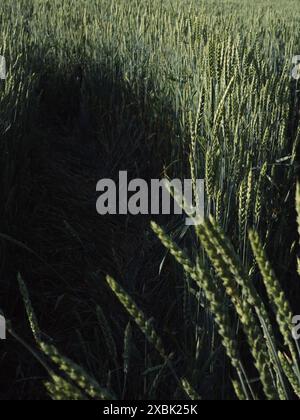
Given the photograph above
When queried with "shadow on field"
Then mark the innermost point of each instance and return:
(85, 125)
(82, 124)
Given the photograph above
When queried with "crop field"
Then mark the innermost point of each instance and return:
(129, 306)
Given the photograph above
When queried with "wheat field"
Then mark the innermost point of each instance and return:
(144, 307)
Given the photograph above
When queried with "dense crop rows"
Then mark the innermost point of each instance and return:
(199, 89)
